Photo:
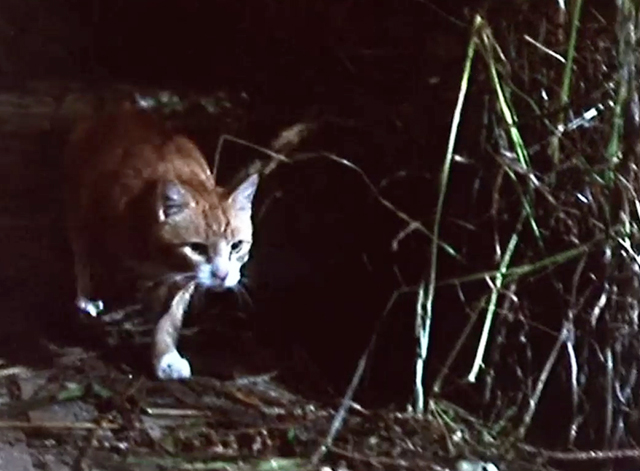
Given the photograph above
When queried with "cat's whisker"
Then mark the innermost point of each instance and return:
(242, 293)
(169, 280)
(246, 282)
(197, 298)
(150, 270)
(176, 277)
(184, 277)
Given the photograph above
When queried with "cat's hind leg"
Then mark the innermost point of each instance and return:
(84, 301)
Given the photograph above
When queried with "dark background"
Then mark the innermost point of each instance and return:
(382, 80)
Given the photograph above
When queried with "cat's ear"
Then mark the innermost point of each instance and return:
(242, 196)
(171, 200)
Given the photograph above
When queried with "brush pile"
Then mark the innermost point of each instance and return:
(557, 219)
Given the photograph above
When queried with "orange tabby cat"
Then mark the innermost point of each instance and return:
(144, 214)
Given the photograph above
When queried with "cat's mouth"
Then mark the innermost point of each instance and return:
(215, 278)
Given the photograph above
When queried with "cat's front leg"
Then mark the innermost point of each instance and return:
(167, 361)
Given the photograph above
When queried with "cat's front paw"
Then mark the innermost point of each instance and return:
(173, 366)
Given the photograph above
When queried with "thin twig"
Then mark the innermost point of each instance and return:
(7, 424)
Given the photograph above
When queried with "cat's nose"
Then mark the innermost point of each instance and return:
(219, 272)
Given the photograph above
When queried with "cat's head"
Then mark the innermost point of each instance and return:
(206, 232)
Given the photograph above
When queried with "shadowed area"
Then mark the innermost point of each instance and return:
(36, 279)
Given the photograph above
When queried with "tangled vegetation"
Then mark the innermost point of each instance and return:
(475, 188)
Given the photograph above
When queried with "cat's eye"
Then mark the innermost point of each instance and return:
(198, 248)
(236, 246)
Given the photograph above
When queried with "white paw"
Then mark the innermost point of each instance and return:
(93, 308)
(173, 366)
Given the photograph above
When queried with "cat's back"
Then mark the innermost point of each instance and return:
(110, 135)
(118, 153)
